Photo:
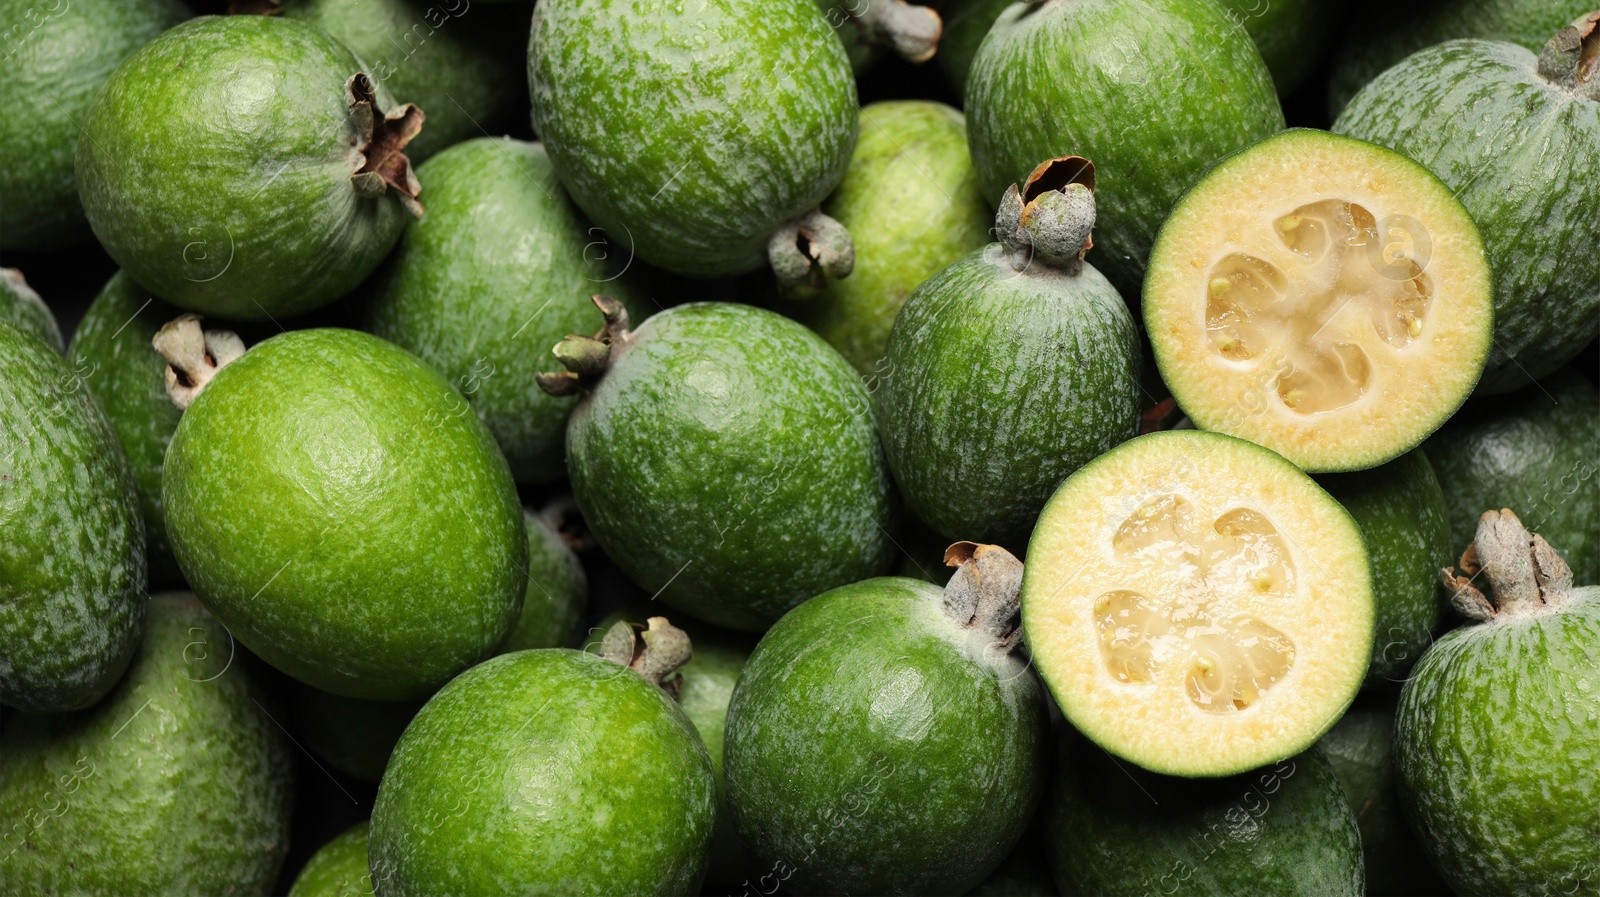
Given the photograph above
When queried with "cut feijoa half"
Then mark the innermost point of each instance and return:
(1323, 297)
(1197, 605)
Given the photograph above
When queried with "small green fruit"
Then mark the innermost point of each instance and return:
(22, 308)
(356, 736)
(338, 868)
(558, 589)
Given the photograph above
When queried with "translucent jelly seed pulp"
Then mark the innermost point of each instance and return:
(1259, 314)
(1230, 659)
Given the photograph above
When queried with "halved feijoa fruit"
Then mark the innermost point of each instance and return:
(1197, 605)
(1324, 297)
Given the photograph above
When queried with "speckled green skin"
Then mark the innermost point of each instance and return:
(179, 782)
(1294, 36)
(1284, 829)
(998, 384)
(72, 565)
(338, 868)
(353, 735)
(545, 772)
(459, 61)
(56, 54)
(1187, 85)
(218, 168)
(1496, 742)
(875, 747)
(22, 308)
(345, 513)
(1536, 452)
(558, 592)
(728, 463)
(910, 200)
(1518, 151)
(1383, 33)
(1360, 748)
(1401, 513)
(692, 129)
(499, 270)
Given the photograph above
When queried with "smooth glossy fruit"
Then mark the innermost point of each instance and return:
(345, 513)
(22, 308)
(338, 868)
(1320, 296)
(1527, 180)
(266, 190)
(886, 737)
(1498, 731)
(179, 782)
(1197, 605)
(1010, 369)
(72, 563)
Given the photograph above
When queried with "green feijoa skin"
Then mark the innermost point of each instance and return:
(1526, 180)
(179, 782)
(869, 29)
(353, 735)
(499, 271)
(1401, 513)
(910, 199)
(966, 24)
(548, 771)
(338, 868)
(1496, 740)
(703, 133)
(1047, 72)
(1361, 748)
(72, 563)
(266, 191)
(558, 590)
(1283, 829)
(887, 738)
(725, 458)
(1534, 452)
(460, 61)
(1010, 369)
(22, 308)
(1294, 36)
(57, 54)
(344, 512)
(1381, 34)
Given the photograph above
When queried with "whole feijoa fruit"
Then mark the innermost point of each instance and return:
(1525, 180)
(550, 771)
(1496, 738)
(337, 505)
(72, 563)
(1047, 73)
(22, 308)
(338, 868)
(703, 134)
(276, 181)
(887, 737)
(725, 458)
(499, 271)
(1010, 369)
(178, 782)
(558, 588)
(57, 55)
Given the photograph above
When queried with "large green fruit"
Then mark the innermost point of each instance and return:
(553, 772)
(179, 782)
(1528, 180)
(726, 460)
(345, 513)
(499, 271)
(72, 563)
(1532, 452)
(1498, 733)
(1284, 829)
(698, 131)
(1010, 369)
(338, 868)
(1047, 74)
(266, 190)
(58, 53)
(910, 199)
(22, 308)
(887, 737)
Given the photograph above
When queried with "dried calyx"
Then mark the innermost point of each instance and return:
(586, 358)
(809, 249)
(911, 31)
(985, 593)
(1521, 572)
(655, 651)
(1572, 58)
(1050, 218)
(381, 140)
(194, 356)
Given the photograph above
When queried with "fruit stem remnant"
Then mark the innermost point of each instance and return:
(586, 358)
(911, 31)
(1572, 58)
(194, 356)
(380, 141)
(655, 651)
(809, 248)
(1524, 573)
(985, 593)
(1051, 217)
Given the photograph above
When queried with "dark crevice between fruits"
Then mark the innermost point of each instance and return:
(562, 515)
(655, 651)
(194, 356)
(810, 248)
(1524, 573)
(255, 7)
(911, 31)
(985, 593)
(1051, 217)
(1572, 58)
(381, 139)
(586, 358)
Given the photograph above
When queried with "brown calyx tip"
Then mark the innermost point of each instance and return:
(810, 249)
(381, 140)
(1051, 217)
(912, 31)
(1521, 570)
(655, 651)
(194, 356)
(255, 7)
(1572, 58)
(586, 358)
(985, 593)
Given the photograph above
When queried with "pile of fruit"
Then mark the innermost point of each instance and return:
(799, 447)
